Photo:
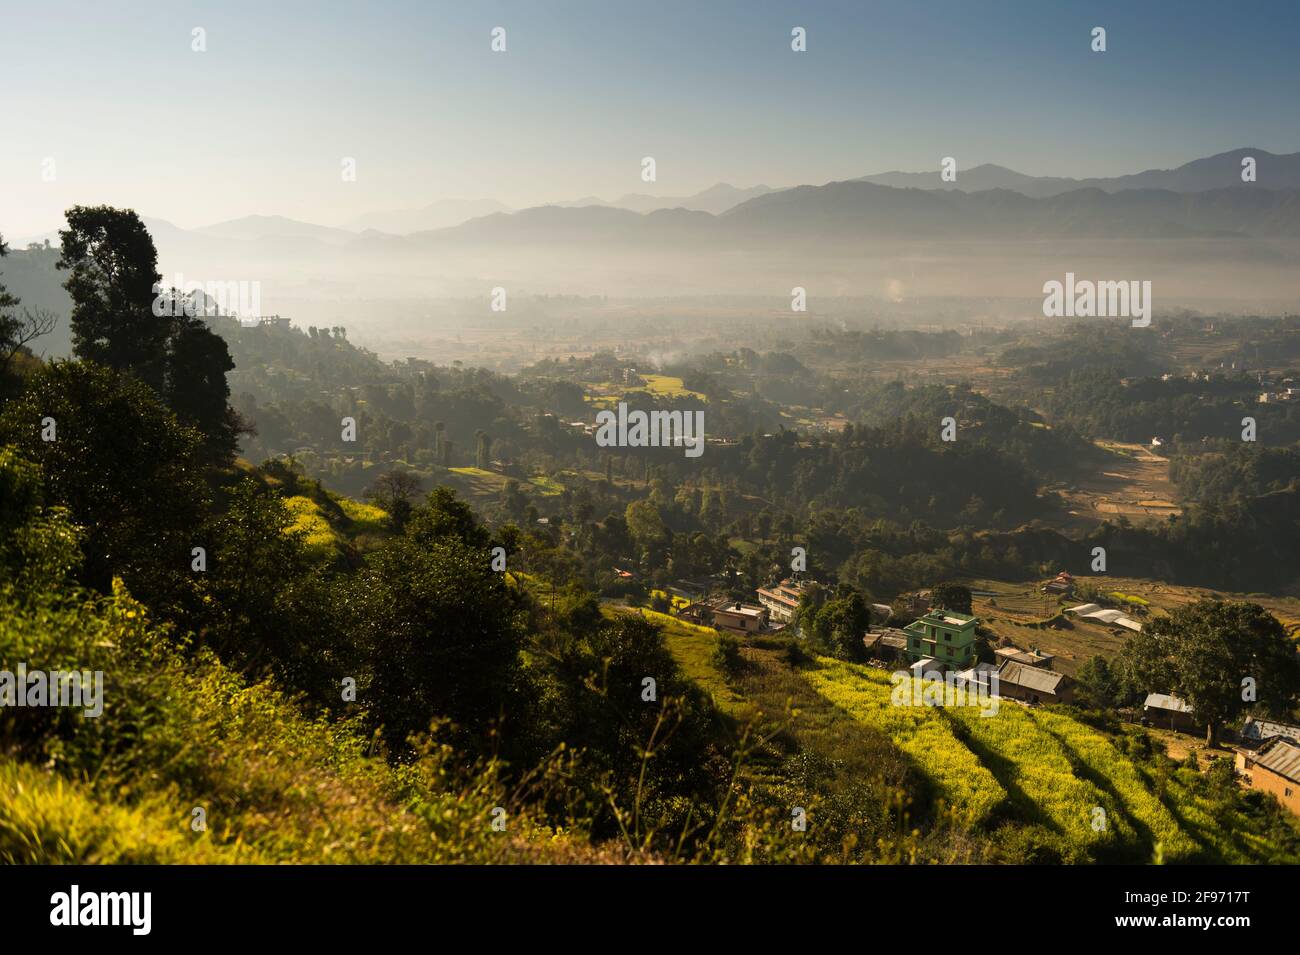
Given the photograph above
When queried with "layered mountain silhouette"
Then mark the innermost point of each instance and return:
(862, 211)
(437, 215)
(1214, 172)
(715, 200)
(1203, 198)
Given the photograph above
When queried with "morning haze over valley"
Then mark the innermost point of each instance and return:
(592, 434)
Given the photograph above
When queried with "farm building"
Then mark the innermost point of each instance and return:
(1111, 618)
(1274, 768)
(1168, 712)
(691, 591)
(727, 615)
(699, 613)
(1016, 681)
(926, 668)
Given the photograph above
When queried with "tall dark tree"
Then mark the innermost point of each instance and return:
(114, 282)
(196, 388)
(840, 625)
(1098, 687)
(123, 318)
(442, 515)
(7, 301)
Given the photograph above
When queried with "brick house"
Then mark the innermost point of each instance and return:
(1274, 768)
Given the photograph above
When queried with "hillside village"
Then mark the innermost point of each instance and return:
(934, 643)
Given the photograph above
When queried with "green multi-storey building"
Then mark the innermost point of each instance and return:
(945, 635)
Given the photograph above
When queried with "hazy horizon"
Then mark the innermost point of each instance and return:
(260, 121)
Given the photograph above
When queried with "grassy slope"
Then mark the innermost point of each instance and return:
(1055, 770)
(1040, 767)
(863, 792)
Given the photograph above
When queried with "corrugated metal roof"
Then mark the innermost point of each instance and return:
(1281, 756)
(1264, 729)
(1162, 701)
(1031, 678)
(1083, 608)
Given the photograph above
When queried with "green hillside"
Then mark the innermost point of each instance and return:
(1025, 784)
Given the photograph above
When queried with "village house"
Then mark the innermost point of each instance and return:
(729, 616)
(1018, 681)
(1031, 658)
(1274, 768)
(944, 635)
(915, 604)
(782, 600)
(739, 618)
(685, 592)
(887, 644)
(1168, 712)
(1063, 584)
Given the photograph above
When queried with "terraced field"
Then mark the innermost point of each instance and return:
(1041, 771)
(1044, 766)
(967, 788)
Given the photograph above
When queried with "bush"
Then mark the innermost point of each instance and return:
(795, 655)
(726, 653)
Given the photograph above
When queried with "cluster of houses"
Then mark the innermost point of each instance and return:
(1268, 756)
(944, 641)
(1267, 751)
(1278, 391)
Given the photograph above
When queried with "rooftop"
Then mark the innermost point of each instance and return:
(1031, 678)
(1254, 729)
(1163, 701)
(949, 618)
(740, 610)
(1281, 756)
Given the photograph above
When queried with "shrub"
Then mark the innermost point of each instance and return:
(726, 653)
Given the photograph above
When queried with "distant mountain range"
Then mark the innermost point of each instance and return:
(855, 211)
(437, 215)
(1205, 197)
(715, 200)
(1214, 172)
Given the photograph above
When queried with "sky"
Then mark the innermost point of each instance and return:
(261, 121)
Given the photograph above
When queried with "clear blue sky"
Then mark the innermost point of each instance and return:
(260, 122)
